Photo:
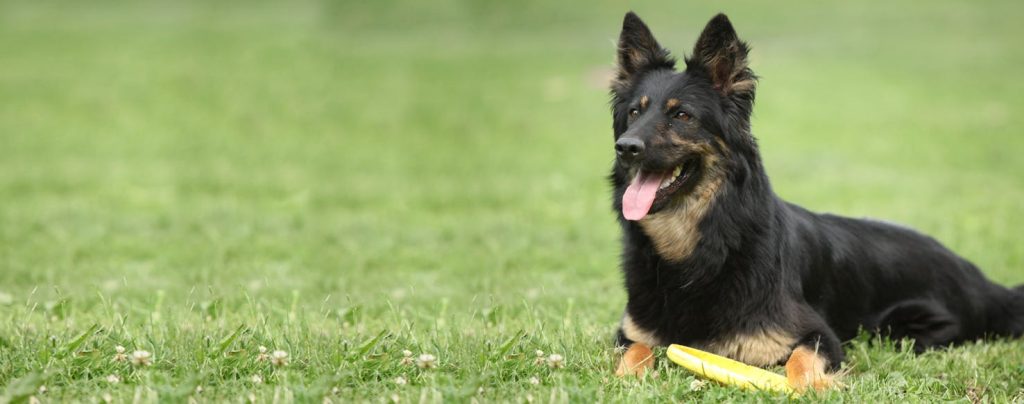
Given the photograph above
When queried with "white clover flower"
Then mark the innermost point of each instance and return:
(142, 358)
(697, 385)
(539, 360)
(406, 353)
(406, 358)
(279, 358)
(400, 380)
(426, 361)
(199, 389)
(263, 354)
(42, 389)
(113, 379)
(119, 355)
(257, 379)
(534, 380)
(555, 361)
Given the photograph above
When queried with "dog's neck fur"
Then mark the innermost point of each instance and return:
(709, 239)
(709, 223)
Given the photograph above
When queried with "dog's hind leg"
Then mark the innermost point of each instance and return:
(926, 322)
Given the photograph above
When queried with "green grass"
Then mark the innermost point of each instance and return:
(345, 181)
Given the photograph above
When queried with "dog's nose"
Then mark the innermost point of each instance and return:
(629, 148)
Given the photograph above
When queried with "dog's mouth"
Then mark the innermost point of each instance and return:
(651, 190)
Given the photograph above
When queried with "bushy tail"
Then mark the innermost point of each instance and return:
(1017, 321)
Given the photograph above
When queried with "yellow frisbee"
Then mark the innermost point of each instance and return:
(727, 371)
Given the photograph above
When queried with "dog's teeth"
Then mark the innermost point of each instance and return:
(677, 171)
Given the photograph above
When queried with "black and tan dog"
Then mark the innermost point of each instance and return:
(715, 260)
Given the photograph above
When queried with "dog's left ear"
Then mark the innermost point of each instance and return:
(721, 54)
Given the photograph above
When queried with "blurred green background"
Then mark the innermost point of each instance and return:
(444, 159)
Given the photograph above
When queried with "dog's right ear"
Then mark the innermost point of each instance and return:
(638, 52)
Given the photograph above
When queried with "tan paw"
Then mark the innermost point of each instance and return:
(806, 369)
(637, 359)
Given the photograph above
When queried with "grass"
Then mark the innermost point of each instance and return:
(345, 181)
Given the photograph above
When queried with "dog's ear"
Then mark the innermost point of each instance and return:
(638, 51)
(721, 54)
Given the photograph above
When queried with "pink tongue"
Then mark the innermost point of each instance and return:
(639, 197)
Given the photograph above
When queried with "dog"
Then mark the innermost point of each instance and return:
(714, 259)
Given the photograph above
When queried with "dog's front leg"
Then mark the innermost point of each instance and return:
(813, 362)
(636, 359)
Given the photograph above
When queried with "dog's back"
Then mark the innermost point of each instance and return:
(890, 278)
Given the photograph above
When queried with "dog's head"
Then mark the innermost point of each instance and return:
(676, 130)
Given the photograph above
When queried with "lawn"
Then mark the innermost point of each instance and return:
(345, 181)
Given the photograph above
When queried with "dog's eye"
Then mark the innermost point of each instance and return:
(633, 112)
(683, 116)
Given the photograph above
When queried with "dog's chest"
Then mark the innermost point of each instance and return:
(760, 348)
(674, 231)
(766, 346)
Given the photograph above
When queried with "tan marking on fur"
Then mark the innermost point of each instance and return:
(762, 348)
(644, 101)
(665, 136)
(635, 362)
(744, 86)
(671, 103)
(728, 67)
(806, 368)
(686, 147)
(674, 230)
(660, 140)
(637, 334)
(722, 145)
(728, 57)
(636, 57)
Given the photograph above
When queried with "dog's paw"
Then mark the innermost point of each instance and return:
(806, 369)
(637, 359)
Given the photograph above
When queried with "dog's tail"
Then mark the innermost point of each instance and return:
(1006, 312)
(1016, 323)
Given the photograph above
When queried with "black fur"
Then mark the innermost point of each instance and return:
(760, 262)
